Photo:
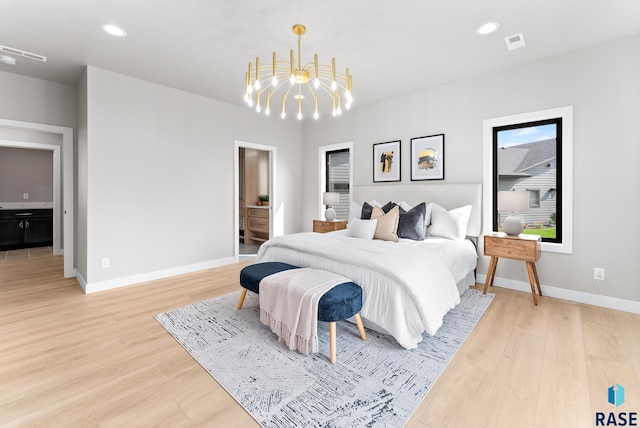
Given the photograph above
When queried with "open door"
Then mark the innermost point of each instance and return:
(254, 197)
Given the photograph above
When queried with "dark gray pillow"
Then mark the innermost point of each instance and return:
(411, 223)
(388, 207)
(367, 209)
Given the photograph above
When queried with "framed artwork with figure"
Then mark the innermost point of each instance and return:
(386, 161)
(427, 158)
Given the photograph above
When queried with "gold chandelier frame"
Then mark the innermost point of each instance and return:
(312, 78)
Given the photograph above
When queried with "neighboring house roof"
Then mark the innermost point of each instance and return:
(516, 160)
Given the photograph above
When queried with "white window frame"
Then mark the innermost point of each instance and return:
(566, 113)
(322, 168)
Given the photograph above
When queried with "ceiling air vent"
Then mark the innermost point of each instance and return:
(25, 54)
(515, 42)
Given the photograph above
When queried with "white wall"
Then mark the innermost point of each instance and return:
(38, 101)
(35, 100)
(159, 176)
(603, 85)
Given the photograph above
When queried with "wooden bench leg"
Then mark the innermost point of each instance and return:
(363, 335)
(242, 296)
(332, 342)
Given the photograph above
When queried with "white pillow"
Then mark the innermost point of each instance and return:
(405, 206)
(362, 229)
(449, 224)
(355, 210)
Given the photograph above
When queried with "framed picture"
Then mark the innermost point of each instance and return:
(427, 158)
(386, 161)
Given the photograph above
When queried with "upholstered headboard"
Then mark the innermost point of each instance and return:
(449, 196)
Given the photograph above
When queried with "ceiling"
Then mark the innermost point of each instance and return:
(391, 48)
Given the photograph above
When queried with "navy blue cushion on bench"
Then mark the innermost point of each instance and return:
(341, 302)
(251, 276)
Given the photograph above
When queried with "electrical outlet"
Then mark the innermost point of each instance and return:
(598, 273)
(25, 196)
(106, 262)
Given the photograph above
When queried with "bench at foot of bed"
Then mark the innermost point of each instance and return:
(341, 302)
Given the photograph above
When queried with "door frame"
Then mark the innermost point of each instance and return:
(276, 222)
(63, 190)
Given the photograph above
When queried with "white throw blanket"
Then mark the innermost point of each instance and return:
(289, 305)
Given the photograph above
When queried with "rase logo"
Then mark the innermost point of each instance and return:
(615, 397)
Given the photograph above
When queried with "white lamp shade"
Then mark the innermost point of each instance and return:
(330, 198)
(513, 201)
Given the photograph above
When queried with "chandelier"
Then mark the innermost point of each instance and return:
(262, 81)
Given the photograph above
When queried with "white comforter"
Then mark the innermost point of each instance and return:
(408, 287)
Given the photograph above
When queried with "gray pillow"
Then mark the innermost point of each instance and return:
(411, 223)
(367, 209)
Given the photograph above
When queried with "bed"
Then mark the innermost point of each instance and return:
(408, 285)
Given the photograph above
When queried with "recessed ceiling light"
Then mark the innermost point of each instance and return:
(9, 60)
(487, 28)
(114, 30)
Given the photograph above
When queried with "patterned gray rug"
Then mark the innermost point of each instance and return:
(373, 383)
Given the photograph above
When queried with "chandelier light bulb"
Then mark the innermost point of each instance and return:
(339, 111)
(292, 80)
(316, 115)
(316, 83)
(246, 98)
(267, 111)
(257, 85)
(299, 116)
(334, 86)
(250, 102)
(274, 81)
(334, 112)
(258, 108)
(283, 115)
(348, 105)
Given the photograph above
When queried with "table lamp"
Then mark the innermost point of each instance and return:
(330, 199)
(512, 202)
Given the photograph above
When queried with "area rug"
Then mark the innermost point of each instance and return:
(374, 383)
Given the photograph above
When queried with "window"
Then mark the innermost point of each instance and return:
(534, 198)
(336, 176)
(337, 180)
(528, 157)
(532, 152)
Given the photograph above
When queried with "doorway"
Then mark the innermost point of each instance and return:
(63, 193)
(254, 197)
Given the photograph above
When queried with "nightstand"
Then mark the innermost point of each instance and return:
(521, 247)
(323, 226)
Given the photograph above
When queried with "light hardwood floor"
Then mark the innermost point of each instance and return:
(76, 360)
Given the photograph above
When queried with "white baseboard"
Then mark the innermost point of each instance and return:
(571, 295)
(150, 276)
(82, 281)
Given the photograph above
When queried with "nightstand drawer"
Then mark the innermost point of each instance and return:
(512, 248)
(321, 226)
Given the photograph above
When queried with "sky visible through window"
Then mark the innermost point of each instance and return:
(514, 137)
